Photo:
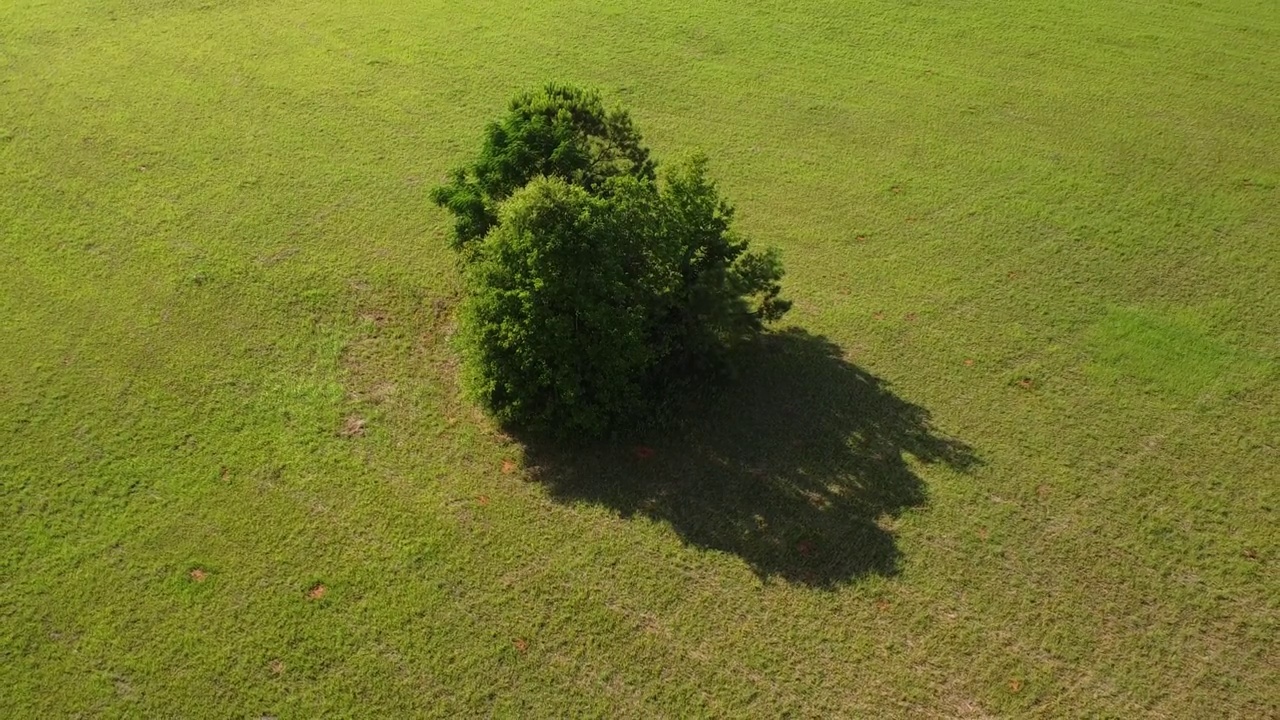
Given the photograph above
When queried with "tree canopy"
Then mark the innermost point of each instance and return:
(598, 289)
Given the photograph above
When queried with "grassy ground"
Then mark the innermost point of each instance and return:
(1017, 457)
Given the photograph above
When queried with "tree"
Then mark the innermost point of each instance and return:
(597, 291)
(556, 315)
(560, 131)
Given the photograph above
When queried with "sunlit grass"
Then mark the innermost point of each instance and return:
(1017, 458)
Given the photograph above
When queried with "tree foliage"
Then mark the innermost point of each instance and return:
(560, 131)
(597, 288)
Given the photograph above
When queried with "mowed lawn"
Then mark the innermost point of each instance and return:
(1016, 452)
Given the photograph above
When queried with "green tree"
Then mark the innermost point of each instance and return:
(726, 292)
(560, 131)
(559, 299)
(596, 290)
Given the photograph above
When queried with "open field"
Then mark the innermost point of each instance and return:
(1017, 453)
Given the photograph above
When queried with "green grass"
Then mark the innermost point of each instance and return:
(1017, 457)
(1179, 357)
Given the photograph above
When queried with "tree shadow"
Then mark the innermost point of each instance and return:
(799, 467)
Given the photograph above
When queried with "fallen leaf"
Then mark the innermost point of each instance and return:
(521, 644)
(1015, 685)
(277, 667)
(317, 592)
(352, 427)
(483, 499)
(508, 466)
(199, 575)
(968, 362)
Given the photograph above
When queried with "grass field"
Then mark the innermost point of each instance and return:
(1016, 455)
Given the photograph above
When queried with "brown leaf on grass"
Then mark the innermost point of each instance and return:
(1026, 383)
(882, 605)
(968, 362)
(1251, 553)
(483, 500)
(1015, 685)
(352, 427)
(521, 644)
(277, 667)
(911, 317)
(317, 592)
(223, 473)
(878, 315)
(199, 575)
(508, 466)
(377, 318)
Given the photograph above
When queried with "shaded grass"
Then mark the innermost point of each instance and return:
(801, 469)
